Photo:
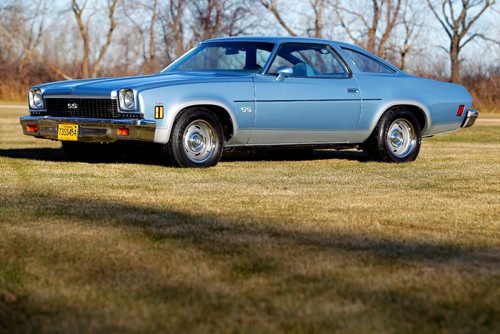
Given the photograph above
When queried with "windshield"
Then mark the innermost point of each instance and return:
(225, 56)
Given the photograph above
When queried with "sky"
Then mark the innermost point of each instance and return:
(431, 37)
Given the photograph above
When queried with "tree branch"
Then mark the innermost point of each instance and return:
(436, 15)
(271, 6)
(109, 36)
(34, 54)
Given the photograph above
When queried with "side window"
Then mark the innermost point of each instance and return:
(277, 63)
(366, 63)
(308, 60)
(262, 56)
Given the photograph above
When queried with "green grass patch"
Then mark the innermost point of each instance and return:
(475, 134)
(329, 244)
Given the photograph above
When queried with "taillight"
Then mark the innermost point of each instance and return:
(460, 110)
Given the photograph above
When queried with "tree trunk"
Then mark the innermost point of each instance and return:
(454, 61)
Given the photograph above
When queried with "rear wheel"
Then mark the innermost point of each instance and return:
(196, 140)
(397, 137)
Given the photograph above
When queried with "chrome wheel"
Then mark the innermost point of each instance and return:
(200, 141)
(401, 138)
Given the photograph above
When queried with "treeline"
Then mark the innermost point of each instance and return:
(442, 39)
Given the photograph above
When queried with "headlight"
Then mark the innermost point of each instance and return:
(127, 99)
(36, 98)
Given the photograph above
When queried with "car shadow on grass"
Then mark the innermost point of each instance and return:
(151, 155)
(38, 153)
(322, 154)
(58, 155)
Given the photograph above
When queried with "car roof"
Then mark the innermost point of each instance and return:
(273, 39)
(283, 39)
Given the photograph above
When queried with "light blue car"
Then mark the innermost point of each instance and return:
(253, 92)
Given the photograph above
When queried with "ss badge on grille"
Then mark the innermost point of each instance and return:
(72, 106)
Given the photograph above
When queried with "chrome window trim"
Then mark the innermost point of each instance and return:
(270, 59)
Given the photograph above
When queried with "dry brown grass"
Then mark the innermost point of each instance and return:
(328, 244)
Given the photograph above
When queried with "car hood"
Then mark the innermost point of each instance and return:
(106, 86)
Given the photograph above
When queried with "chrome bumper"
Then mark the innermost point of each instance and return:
(470, 118)
(91, 129)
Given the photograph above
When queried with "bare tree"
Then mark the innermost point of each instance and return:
(215, 18)
(271, 6)
(135, 12)
(24, 33)
(377, 23)
(315, 13)
(172, 17)
(410, 26)
(208, 16)
(90, 68)
(318, 7)
(457, 25)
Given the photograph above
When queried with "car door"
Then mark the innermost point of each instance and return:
(318, 102)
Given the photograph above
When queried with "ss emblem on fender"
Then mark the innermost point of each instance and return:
(246, 109)
(72, 106)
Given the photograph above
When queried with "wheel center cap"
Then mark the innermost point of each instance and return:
(396, 138)
(196, 142)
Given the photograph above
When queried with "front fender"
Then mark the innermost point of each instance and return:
(162, 134)
(231, 94)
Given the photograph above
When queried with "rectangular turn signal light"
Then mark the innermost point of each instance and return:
(122, 132)
(31, 128)
(460, 110)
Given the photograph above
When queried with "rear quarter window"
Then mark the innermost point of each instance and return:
(367, 64)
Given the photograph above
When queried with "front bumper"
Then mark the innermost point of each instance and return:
(91, 129)
(470, 118)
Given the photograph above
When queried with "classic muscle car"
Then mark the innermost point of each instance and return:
(256, 92)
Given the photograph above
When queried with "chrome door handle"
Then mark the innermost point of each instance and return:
(352, 90)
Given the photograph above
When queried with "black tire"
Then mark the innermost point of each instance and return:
(89, 152)
(196, 140)
(396, 138)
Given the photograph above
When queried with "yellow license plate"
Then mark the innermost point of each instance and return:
(67, 132)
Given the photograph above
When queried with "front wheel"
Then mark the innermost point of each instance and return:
(396, 138)
(196, 140)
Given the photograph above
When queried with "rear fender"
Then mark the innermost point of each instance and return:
(388, 105)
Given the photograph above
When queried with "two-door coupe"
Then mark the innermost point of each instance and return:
(255, 92)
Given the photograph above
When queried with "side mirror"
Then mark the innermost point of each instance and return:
(283, 72)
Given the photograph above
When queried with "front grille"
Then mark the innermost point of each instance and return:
(86, 108)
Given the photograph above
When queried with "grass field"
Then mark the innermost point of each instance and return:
(330, 244)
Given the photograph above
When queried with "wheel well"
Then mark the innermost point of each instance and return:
(419, 114)
(223, 116)
(416, 111)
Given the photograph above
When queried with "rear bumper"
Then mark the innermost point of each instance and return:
(470, 118)
(90, 129)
